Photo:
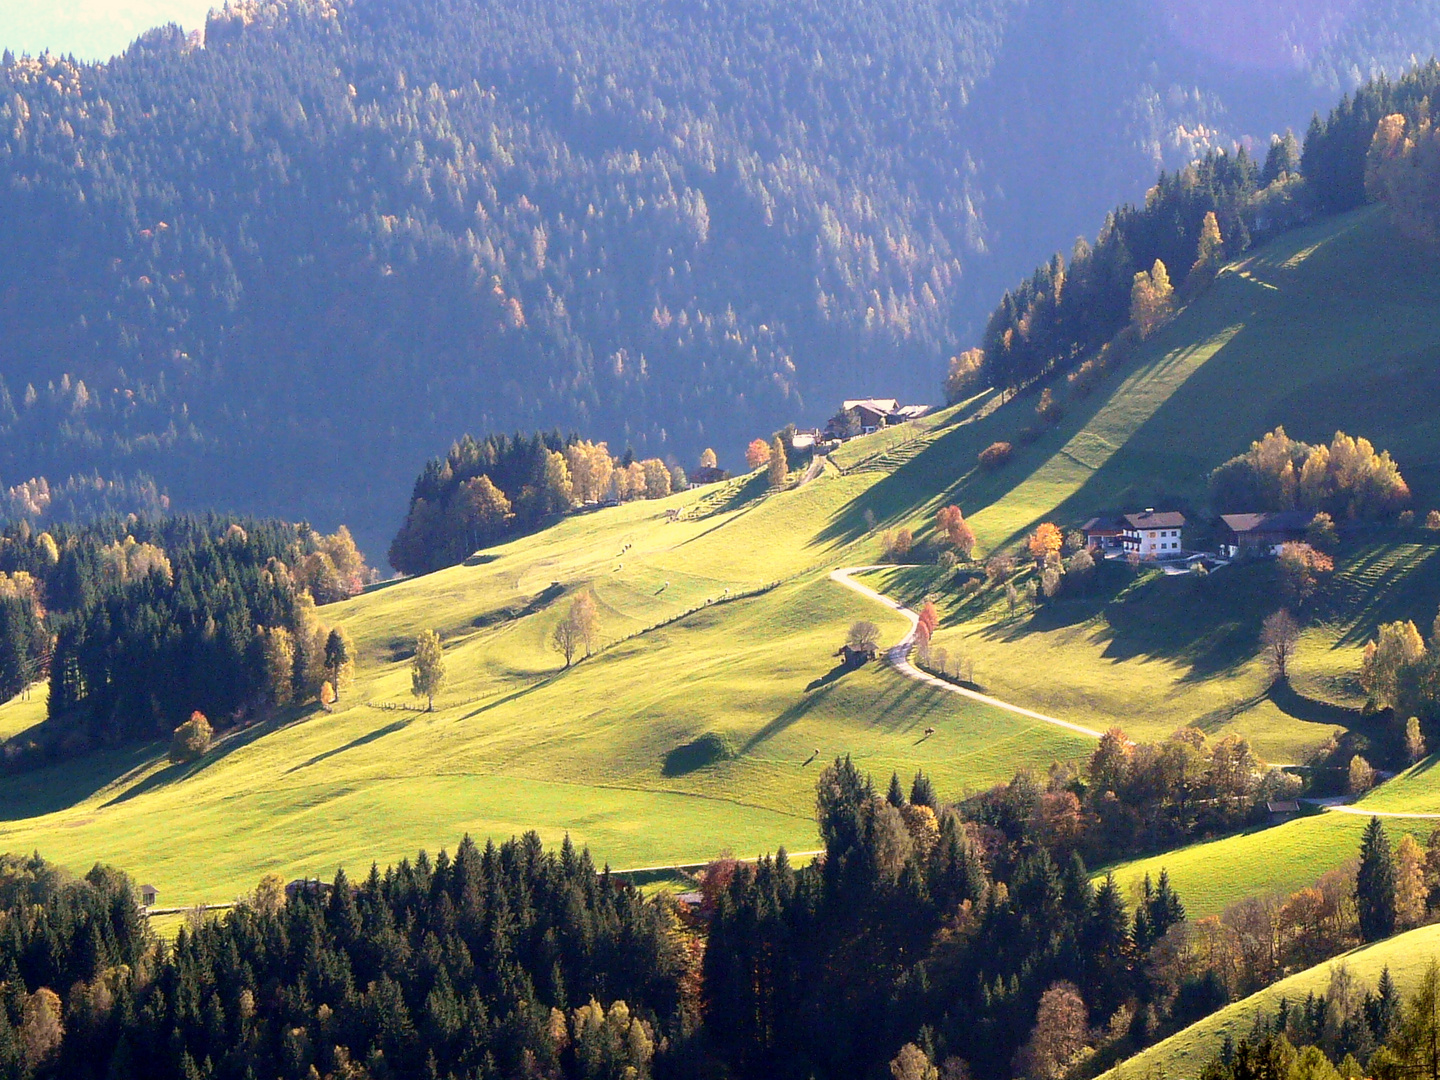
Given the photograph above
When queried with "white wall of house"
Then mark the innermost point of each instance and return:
(1161, 543)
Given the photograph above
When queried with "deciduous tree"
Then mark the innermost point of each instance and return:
(1279, 635)
(757, 454)
(427, 668)
(191, 739)
(1046, 540)
(950, 523)
(778, 466)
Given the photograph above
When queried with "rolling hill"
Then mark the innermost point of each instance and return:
(693, 730)
(1184, 1054)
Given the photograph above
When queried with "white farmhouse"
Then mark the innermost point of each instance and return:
(1154, 535)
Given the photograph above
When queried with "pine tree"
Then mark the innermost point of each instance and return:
(922, 792)
(896, 795)
(1375, 884)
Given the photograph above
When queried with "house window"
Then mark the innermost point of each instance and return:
(1152, 536)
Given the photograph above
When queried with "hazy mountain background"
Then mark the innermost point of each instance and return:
(277, 268)
(90, 29)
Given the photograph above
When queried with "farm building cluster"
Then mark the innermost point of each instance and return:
(1160, 534)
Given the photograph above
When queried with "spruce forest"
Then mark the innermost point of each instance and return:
(755, 466)
(273, 272)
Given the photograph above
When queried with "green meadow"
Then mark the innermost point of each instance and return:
(701, 722)
(1184, 1054)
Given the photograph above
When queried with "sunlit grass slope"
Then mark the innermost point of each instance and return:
(516, 743)
(1331, 327)
(1184, 1054)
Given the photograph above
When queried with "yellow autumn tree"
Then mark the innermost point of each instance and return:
(1045, 541)
(1151, 299)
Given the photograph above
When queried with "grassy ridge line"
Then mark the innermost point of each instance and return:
(1184, 1054)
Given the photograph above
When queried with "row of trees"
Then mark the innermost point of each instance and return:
(504, 961)
(1346, 479)
(1401, 672)
(485, 490)
(1128, 798)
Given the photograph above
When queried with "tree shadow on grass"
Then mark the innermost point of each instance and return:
(64, 784)
(363, 740)
(795, 712)
(837, 672)
(174, 773)
(1312, 710)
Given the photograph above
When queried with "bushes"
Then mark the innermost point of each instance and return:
(191, 739)
(995, 455)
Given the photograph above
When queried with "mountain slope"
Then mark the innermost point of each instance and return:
(1184, 1054)
(290, 265)
(614, 750)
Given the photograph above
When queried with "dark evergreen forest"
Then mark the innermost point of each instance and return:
(272, 270)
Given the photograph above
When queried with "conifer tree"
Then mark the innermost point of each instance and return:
(1375, 884)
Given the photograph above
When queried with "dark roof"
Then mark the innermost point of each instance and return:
(1151, 519)
(1271, 521)
(1286, 806)
(1102, 524)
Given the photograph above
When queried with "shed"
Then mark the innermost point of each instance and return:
(1104, 533)
(1263, 534)
(148, 895)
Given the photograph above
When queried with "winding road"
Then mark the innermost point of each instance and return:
(898, 657)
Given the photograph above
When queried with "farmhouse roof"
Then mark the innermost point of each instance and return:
(1151, 519)
(1102, 524)
(1271, 521)
(1284, 806)
(879, 405)
(912, 412)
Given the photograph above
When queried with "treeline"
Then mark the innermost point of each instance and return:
(484, 490)
(1328, 1036)
(501, 962)
(1193, 218)
(1129, 799)
(1346, 479)
(138, 623)
(905, 937)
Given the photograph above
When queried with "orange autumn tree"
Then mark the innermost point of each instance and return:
(1046, 541)
(757, 453)
(951, 524)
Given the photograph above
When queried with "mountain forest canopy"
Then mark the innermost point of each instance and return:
(258, 270)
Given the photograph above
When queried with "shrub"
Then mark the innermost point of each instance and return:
(995, 455)
(1049, 409)
(1027, 435)
(1432, 520)
(898, 543)
(1406, 519)
(191, 739)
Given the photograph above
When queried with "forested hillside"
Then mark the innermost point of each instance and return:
(275, 268)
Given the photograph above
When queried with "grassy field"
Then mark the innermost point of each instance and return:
(722, 623)
(22, 712)
(598, 751)
(1184, 1054)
